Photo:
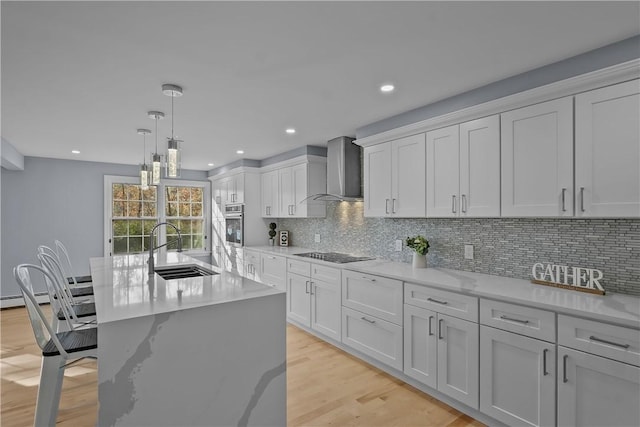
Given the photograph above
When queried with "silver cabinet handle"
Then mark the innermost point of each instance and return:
(453, 203)
(437, 301)
(386, 206)
(564, 369)
(393, 206)
(368, 278)
(464, 203)
(306, 287)
(564, 208)
(544, 362)
(524, 322)
(367, 320)
(625, 346)
(293, 209)
(311, 287)
(582, 199)
(430, 319)
(440, 329)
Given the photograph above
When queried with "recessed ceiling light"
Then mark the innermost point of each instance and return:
(209, 164)
(75, 151)
(386, 88)
(240, 152)
(290, 131)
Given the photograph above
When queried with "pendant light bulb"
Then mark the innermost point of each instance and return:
(156, 159)
(144, 170)
(173, 145)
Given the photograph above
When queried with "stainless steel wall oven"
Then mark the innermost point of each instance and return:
(234, 224)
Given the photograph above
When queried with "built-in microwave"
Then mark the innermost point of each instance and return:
(234, 224)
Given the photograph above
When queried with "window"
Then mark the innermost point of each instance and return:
(131, 213)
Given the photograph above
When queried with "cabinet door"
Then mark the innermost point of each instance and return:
(517, 378)
(420, 345)
(238, 188)
(269, 194)
(217, 208)
(286, 191)
(378, 296)
(608, 151)
(273, 271)
(458, 360)
(408, 176)
(537, 160)
(480, 167)
(443, 154)
(298, 295)
(299, 190)
(326, 316)
(594, 391)
(377, 180)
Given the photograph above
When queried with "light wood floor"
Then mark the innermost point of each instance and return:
(325, 386)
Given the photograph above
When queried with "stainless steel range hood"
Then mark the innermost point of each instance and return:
(344, 182)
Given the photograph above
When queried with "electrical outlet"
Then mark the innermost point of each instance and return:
(468, 251)
(398, 245)
(316, 238)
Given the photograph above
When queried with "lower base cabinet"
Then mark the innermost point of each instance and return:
(517, 378)
(372, 336)
(596, 391)
(441, 351)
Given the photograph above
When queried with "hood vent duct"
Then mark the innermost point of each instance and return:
(344, 177)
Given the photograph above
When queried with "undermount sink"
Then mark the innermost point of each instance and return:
(183, 271)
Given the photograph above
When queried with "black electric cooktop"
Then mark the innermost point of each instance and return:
(336, 257)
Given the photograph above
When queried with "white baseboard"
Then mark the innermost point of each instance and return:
(19, 301)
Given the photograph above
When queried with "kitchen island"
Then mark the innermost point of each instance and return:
(196, 351)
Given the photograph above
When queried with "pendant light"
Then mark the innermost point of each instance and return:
(173, 145)
(144, 170)
(156, 159)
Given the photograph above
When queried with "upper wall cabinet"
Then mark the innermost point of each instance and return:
(537, 160)
(269, 193)
(608, 151)
(463, 169)
(394, 178)
(229, 190)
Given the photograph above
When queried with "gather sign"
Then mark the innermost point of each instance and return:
(563, 276)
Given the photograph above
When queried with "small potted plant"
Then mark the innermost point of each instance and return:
(420, 245)
(272, 233)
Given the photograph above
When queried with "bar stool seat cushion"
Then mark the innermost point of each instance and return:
(73, 341)
(81, 310)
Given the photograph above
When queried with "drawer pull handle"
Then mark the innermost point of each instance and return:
(440, 329)
(311, 287)
(544, 362)
(367, 320)
(306, 287)
(430, 331)
(368, 278)
(437, 301)
(524, 322)
(564, 369)
(386, 206)
(625, 346)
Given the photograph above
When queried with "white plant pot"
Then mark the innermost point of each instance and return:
(419, 261)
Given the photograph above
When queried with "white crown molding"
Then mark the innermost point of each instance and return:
(305, 158)
(604, 77)
(235, 171)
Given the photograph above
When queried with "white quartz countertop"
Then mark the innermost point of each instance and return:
(124, 290)
(616, 308)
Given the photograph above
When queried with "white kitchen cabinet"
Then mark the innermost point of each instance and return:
(394, 178)
(295, 184)
(443, 172)
(313, 297)
(607, 151)
(596, 391)
(537, 160)
(441, 351)
(269, 194)
(517, 378)
(252, 265)
(273, 271)
(230, 189)
(374, 295)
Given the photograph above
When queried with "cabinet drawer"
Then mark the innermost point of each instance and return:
(326, 274)
(373, 295)
(603, 339)
(532, 322)
(251, 257)
(372, 336)
(299, 267)
(451, 303)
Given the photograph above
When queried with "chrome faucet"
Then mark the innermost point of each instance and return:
(152, 269)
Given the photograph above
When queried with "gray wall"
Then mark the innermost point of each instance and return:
(56, 199)
(503, 246)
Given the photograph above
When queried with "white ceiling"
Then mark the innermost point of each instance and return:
(82, 75)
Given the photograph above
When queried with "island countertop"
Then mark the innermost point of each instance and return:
(124, 290)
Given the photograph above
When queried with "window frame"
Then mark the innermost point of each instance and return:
(109, 180)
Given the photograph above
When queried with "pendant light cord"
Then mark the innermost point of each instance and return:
(156, 134)
(172, 96)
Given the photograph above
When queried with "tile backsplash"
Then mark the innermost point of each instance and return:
(502, 246)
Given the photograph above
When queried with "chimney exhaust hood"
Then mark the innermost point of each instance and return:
(344, 181)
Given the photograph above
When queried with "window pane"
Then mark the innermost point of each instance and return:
(119, 245)
(146, 241)
(118, 208)
(133, 191)
(135, 228)
(120, 228)
(185, 226)
(196, 242)
(172, 209)
(118, 192)
(149, 209)
(184, 194)
(196, 194)
(186, 241)
(171, 230)
(148, 226)
(196, 226)
(134, 209)
(172, 194)
(196, 209)
(172, 243)
(149, 194)
(185, 209)
(135, 244)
